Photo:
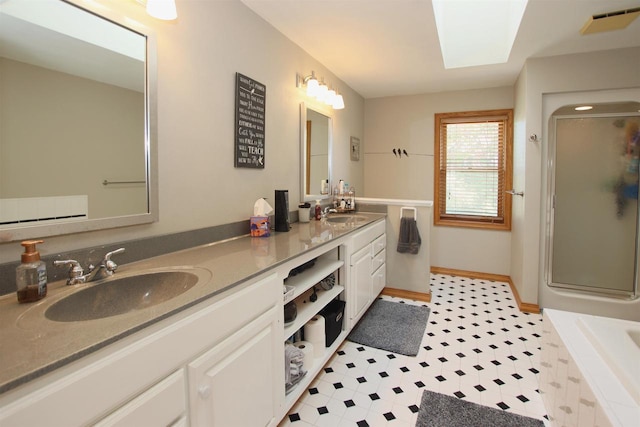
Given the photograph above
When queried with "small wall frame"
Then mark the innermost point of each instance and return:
(355, 149)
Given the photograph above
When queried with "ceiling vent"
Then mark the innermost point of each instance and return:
(610, 21)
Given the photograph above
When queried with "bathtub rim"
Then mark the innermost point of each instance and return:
(616, 403)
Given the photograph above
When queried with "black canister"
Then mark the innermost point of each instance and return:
(282, 211)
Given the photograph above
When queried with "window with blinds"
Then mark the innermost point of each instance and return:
(473, 169)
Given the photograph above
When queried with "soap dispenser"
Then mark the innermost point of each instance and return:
(31, 275)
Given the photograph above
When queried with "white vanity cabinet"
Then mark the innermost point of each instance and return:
(162, 405)
(233, 383)
(367, 269)
(219, 363)
(142, 376)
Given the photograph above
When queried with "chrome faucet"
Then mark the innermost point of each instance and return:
(327, 211)
(76, 272)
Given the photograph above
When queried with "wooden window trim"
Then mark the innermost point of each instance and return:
(442, 219)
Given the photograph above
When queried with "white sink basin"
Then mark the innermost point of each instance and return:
(120, 295)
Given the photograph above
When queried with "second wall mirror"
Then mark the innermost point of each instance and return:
(315, 149)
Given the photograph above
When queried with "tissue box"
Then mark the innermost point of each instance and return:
(260, 226)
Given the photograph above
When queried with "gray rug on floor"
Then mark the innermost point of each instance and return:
(392, 326)
(440, 410)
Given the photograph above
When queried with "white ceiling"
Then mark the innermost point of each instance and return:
(390, 47)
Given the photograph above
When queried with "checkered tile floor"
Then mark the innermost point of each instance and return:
(477, 346)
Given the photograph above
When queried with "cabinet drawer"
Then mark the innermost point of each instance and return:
(367, 235)
(162, 404)
(378, 260)
(379, 244)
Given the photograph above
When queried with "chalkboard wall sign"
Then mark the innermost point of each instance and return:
(250, 113)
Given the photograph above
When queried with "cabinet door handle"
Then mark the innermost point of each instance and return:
(204, 391)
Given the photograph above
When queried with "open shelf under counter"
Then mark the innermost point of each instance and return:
(309, 309)
(313, 370)
(310, 277)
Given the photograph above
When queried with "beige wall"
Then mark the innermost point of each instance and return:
(407, 122)
(198, 56)
(587, 76)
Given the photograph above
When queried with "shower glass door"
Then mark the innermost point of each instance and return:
(594, 203)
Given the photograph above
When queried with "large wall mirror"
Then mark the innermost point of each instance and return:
(315, 148)
(77, 121)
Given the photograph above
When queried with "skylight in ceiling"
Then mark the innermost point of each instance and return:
(477, 32)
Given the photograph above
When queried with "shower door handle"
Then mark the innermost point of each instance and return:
(515, 193)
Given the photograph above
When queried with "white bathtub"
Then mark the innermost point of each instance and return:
(590, 370)
(618, 343)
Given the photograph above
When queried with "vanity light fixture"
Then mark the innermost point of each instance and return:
(318, 89)
(162, 9)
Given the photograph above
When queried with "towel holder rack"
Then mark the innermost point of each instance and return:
(415, 212)
(106, 182)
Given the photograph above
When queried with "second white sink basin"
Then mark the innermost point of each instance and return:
(342, 219)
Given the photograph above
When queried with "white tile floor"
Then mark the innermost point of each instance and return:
(477, 346)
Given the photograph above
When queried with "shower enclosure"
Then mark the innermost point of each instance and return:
(592, 239)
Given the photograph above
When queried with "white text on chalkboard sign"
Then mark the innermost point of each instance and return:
(249, 122)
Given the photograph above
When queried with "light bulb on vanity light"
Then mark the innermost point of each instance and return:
(312, 85)
(322, 92)
(338, 102)
(330, 98)
(162, 9)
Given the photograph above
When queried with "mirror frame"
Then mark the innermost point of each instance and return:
(304, 197)
(150, 143)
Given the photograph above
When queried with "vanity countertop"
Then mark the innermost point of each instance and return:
(33, 346)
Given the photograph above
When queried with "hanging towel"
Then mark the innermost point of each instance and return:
(409, 239)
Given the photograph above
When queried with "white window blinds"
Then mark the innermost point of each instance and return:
(472, 167)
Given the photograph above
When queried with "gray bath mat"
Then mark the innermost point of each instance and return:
(392, 326)
(440, 410)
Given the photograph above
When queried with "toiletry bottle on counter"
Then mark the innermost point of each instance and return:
(31, 275)
(318, 210)
(352, 197)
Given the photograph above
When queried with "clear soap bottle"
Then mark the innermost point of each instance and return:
(31, 275)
